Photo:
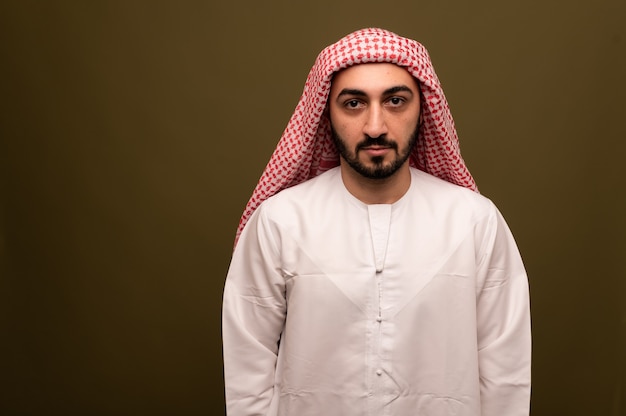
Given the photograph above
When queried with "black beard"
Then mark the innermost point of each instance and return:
(379, 170)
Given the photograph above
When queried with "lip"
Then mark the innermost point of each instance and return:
(376, 150)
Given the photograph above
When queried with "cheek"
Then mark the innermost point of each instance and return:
(344, 128)
(409, 124)
(350, 133)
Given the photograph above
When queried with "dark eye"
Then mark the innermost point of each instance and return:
(396, 100)
(352, 104)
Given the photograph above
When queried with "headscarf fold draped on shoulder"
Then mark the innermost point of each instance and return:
(306, 150)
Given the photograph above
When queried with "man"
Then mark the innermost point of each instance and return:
(380, 282)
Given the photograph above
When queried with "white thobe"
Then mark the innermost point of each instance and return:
(335, 307)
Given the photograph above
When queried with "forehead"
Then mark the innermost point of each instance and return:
(372, 77)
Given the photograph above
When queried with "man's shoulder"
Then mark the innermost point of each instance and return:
(324, 182)
(306, 193)
(437, 189)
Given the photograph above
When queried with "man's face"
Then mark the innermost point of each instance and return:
(374, 114)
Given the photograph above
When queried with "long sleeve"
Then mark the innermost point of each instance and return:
(253, 318)
(503, 319)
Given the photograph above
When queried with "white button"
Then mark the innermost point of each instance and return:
(379, 372)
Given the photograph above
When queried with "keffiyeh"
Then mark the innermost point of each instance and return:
(306, 149)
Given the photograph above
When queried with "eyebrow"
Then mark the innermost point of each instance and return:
(388, 91)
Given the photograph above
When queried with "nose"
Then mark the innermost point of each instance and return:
(375, 124)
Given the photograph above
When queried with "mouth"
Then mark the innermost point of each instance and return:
(376, 150)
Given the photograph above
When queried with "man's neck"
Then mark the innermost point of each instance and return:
(376, 191)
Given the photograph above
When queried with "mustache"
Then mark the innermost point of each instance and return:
(381, 141)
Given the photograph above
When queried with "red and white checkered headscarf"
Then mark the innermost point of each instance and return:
(306, 149)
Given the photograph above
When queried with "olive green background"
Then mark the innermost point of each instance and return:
(133, 132)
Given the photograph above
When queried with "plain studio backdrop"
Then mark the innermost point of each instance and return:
(133, 132)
